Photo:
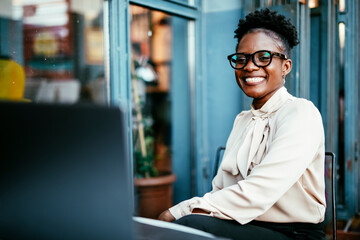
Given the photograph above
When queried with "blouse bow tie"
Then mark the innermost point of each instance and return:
(254, 146)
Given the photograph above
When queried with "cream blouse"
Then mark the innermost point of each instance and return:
(273, 166)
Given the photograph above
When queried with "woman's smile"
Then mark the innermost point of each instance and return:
(254, 80)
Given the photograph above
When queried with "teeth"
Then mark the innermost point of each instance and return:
(254, 79)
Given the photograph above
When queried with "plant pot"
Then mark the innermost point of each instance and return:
(154, 195)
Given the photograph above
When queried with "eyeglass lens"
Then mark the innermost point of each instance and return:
(260, 59)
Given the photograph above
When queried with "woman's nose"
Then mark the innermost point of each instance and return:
(250, 66)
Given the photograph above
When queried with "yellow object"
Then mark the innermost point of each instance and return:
(12, 80)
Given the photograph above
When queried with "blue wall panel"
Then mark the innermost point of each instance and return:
(180, 117)
(223, 94)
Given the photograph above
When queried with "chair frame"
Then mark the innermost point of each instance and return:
(333, 190)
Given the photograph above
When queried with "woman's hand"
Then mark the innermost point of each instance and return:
(166, 216)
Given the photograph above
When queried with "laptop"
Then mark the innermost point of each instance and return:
(64, 172)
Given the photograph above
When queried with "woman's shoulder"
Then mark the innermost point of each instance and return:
(299, 116)
(299, 108)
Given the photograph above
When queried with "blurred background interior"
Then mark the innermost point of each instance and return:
(165, 62)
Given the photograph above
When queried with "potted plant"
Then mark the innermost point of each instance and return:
(144, 160)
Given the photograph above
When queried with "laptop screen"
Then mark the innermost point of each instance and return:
(64, 172)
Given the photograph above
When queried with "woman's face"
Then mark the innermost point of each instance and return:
(260, 83)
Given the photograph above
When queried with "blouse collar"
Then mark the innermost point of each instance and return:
(273, 104)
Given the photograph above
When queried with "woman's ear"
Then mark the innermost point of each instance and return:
(286, 67)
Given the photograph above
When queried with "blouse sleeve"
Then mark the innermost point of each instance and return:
(296, 143)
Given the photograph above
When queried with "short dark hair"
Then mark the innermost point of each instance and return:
(272, 24)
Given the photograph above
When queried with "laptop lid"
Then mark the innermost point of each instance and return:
(64, 172)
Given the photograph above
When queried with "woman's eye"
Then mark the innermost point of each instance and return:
(264, 58)
(241, 60)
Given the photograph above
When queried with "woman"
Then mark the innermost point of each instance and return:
(270, 184)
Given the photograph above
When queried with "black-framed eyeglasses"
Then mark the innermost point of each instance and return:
(260, 58)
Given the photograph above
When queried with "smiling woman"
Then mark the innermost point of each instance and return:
(270, 184)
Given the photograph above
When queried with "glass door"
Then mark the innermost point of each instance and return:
(161, 83)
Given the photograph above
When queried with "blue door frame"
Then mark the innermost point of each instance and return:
(120, 88)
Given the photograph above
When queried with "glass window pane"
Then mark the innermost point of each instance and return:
(59, 45)
(151, 42)
(161, 102)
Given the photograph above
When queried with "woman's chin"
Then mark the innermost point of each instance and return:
(252, 91)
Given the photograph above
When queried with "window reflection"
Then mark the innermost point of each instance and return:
(59, 44)
(151, 36)
(151, 41)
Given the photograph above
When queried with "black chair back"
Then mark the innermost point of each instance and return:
(330, 214)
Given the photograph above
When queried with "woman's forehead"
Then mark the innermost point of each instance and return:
(255, 41)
